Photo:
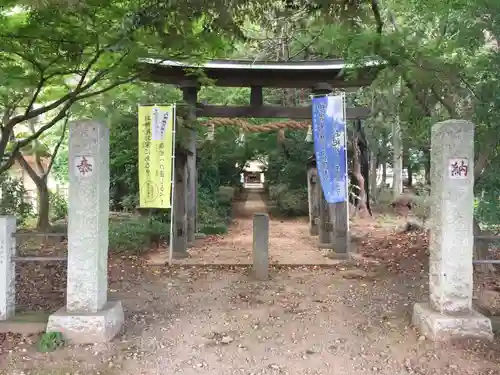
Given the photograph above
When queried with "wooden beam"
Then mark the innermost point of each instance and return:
(190, 96)
(271, 78)
(205, 110)
(256, 97)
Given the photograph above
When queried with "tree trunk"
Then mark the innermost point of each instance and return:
(410, 176)
(373, 176)
(397, 166)
(427, 166)
(384, 175)
(362, 207)
(43, 221)
(481, 249)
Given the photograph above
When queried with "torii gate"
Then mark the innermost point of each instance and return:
(322, 77)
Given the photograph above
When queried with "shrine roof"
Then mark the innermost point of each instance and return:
(247, 73)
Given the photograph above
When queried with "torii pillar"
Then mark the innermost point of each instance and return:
(190, 97)
(325, 227)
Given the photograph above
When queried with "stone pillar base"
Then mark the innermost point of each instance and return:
(339, 256)
(441, 327)
(88, 328)
(180, 255)
(325, 245)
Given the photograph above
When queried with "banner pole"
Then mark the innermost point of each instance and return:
(346, 163)
(172, 188)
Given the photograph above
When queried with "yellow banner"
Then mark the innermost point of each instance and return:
(156, 130)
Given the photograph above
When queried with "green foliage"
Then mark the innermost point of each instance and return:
(58, 206)
(214, 209)
(289, 202)
(286, 172)
(213, 229)
(422, 207)
(385, 197)
(60, 166)
(422, 189)
(50, 341)
(13, 199)
(62, 57)
(487, 203)
(135, 233)
(123, 164)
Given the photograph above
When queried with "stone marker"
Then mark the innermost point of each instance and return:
(341, 236)
(313, 200)
(7, 267)
(325, 238)
(88, 316)
(180, 203)
(449, 313)
(261, 246)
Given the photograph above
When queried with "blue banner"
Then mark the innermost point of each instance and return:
(329, 127)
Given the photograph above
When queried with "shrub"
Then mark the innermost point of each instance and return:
(214, 210)
(422, 207)
(12, 199)
(422, 189)
(289, 202)
(135, 233)
(385, 197)
(213, 229)
(58, 206)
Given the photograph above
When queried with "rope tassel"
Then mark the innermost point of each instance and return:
(211, 132)
(241, 138)
(309, 136)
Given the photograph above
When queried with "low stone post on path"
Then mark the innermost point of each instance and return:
(449, 313)
(88, 316)
(7, 267)
(260, 248)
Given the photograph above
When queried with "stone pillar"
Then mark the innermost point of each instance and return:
(325, 226)
(190, 96)
(88, 316)
(180, 244)
(260, 248)
(341, 236)
(312, 195)
(449, 313)
(7, 267)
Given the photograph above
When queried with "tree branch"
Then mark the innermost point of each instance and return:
(27, 167)
(58, 145)
(109, 87)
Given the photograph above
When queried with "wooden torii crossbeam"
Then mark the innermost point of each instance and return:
(322, 77)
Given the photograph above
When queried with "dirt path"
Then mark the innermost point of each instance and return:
(349, 319)
(289, 240)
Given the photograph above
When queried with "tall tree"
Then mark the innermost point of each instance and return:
(56, 56)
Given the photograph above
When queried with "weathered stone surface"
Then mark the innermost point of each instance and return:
(336, 255)
(261, 246)
(88, 317)
(340, 235)
(449, 313)
(489, 300)
(313, 200)
(7, 267)
(443, 327)
(451, 243)
(88, 328)
(88, 213)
